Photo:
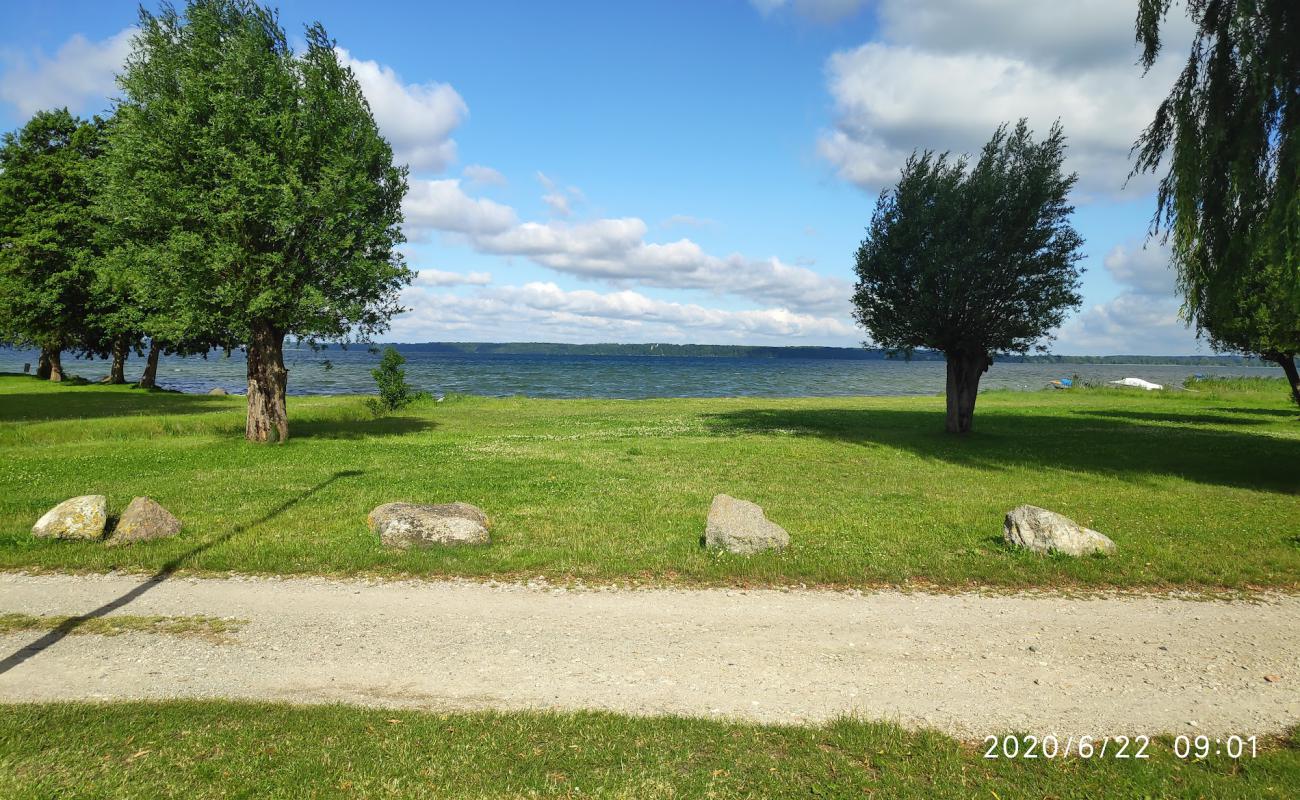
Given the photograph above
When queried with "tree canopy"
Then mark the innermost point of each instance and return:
(256, 197)
(972, 259)
(47, 235)
(1228, 139)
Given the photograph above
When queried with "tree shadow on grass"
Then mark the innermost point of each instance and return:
(1121, 447)
(51, 406)
(358, 428)
(163, 573)
(1181, 419)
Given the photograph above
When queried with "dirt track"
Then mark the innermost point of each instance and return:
(966, 664)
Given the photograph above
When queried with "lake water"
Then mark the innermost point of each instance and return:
(336, 371)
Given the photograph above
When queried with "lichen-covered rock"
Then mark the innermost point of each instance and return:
(75, 518)
(739, 526)
(1046, 531)
(145, 519)
(218, 391)
(407, 525)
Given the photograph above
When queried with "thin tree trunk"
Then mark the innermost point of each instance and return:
(43, 365)
(1287, 362)
(149, 378)
(964, 372)
(56, 365)
(267, 381)
(117, 372)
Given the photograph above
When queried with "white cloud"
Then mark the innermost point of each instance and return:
(437, 277)
(542, 310)
(1144, 319)
(558, 203)
(442, 205)
(483, 176)
(823, 11)
(80, 75)
(417, 119)
(615, 250)
(947, 73)
(1143, 268)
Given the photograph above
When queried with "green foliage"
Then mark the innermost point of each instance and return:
(394, 392)
(46, 231)
(254, 196)
(1190, 485)
(1228, 138)
(973, 259)
(201, 749)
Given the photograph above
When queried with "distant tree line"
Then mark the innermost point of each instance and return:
(240, 193)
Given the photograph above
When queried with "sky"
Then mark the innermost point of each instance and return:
(693, 171)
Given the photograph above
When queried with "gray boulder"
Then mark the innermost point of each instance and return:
(407, 525)
(145, 519)
(739, 526)
(1046, 531)
(218, 391)
(76, 518)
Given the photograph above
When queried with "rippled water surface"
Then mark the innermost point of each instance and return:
(336, 371)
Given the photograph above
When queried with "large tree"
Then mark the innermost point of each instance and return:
(1228, 140)
(47, 235)
(256, 194)
(972, 260)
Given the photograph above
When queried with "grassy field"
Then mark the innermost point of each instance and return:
(222, 749)
(1199, 489)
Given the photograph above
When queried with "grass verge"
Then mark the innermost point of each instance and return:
(1198, 488)
(225, 749)
(214, 629)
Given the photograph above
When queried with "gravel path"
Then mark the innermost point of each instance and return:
(966, 664)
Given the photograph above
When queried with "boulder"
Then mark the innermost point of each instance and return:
(144, 519)
(407, 525)
(739, 526)
(76, 518)
(218, 391)
(1046, 531)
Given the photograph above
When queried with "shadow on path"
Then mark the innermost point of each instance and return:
(165, 572)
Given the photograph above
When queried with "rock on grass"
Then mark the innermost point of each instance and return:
(75, 518)
(144, 519)
(1046, 531)
(408, 525)
(739, 526)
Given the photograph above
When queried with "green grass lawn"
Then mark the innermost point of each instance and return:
(1199, 490)
(222, 749)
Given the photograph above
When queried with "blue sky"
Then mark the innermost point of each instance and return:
(691, 171)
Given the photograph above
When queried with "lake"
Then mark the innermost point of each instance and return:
(336, 371)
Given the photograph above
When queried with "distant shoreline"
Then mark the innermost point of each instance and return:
(793, 352)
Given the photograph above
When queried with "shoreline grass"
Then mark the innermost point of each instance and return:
(223, 748)
(1195, 487)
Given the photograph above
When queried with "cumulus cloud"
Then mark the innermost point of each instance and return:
(1144, 319)
(483, 176)
(543, 310)
(417, 119)
(437, 277)
(80, 75)
(443, 205)
(947, 73)
(822, 11)
(616, 250)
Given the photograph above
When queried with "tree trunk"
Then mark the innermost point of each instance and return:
(56, 365)
(149, 378)
(43, 365)
(267, 380)
(964, 372)
(117, 372)
(1287, 362)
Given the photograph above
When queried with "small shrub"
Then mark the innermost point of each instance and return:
(394, 391)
